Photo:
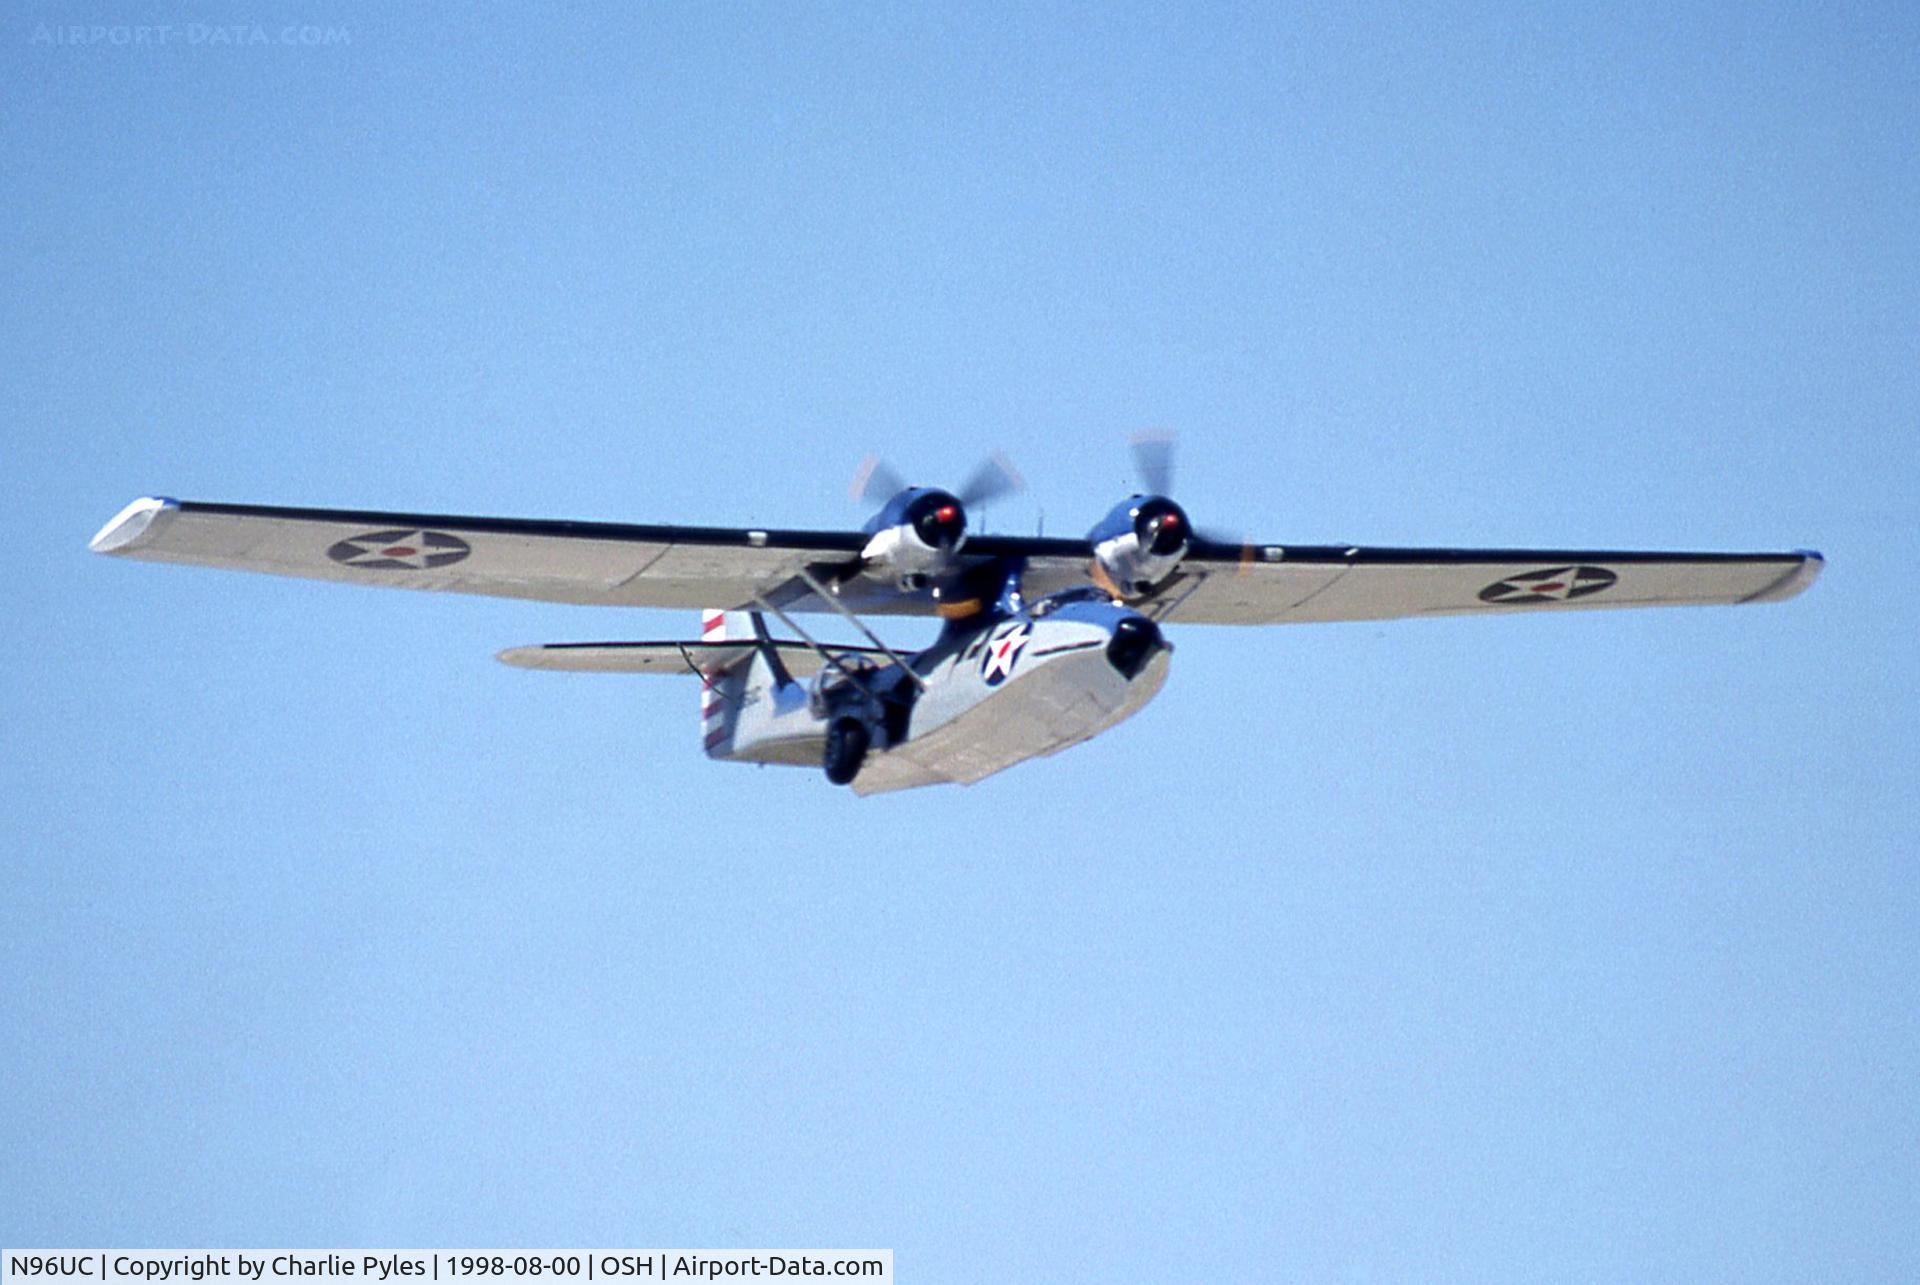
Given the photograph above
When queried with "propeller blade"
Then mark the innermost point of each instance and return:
(1153, 460)
(876, 481)
(1236, 539)
(996, 476)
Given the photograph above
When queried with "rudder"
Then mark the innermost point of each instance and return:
(720, 693)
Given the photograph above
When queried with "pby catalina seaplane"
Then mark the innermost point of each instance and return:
(1045, 641)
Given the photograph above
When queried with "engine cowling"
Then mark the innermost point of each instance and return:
(916, 536)
(1139, 544)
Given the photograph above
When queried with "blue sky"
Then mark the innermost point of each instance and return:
(1570, 947)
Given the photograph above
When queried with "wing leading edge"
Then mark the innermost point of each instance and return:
(630, 565)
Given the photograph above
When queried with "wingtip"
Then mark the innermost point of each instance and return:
(1795, 581)
(132, 526)
(521, 657)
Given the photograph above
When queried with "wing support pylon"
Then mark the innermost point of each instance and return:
(832, 600)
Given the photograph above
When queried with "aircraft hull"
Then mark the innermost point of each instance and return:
(1024, 690)
(1038, 712)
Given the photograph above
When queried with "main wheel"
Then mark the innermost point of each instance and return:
(847, 741)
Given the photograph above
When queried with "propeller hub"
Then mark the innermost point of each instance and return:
(1162, 527)
(938, 519)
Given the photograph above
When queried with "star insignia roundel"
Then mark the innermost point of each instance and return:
(1554, 584)
(1003, 653)
(402, 550)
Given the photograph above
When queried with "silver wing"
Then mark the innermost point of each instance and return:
(1273, 584)
(625, 565)
(591, 563)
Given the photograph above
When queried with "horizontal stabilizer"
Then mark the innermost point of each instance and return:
(699, 659)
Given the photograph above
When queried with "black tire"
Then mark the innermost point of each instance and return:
(847, 741)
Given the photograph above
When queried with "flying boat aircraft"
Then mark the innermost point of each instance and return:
(1044, 641)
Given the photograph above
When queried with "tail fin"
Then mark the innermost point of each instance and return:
(718, 704)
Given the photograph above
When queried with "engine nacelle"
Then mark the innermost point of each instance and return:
(1139, 544)
(915, 537)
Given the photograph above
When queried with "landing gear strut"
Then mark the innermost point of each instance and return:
(847, 741)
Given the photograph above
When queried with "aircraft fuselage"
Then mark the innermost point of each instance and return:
(1025, 684)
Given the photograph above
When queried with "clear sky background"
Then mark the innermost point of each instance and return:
(1555, 947)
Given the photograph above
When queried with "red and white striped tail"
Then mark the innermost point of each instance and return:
(720, 693)
(713, 723)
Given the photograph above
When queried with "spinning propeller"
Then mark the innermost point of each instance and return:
(876, 481)
(917, 534)
(1139, 545)
(1153, 460)
(918, 530)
